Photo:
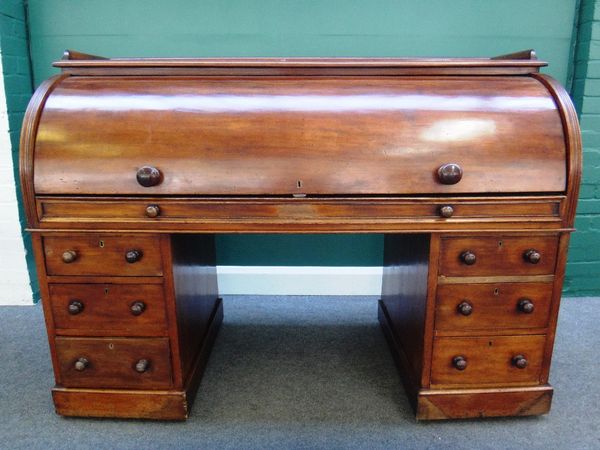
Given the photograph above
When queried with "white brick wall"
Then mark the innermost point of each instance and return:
(15, 288)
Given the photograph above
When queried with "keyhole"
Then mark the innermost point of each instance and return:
(101, 244)
(111, 346)
(496, 291)
(105, 291)
(299, 184)
(499, 243)
(490, 343)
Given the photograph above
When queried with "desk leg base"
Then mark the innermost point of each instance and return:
(132, 404)
(437, 404)
(478, 403)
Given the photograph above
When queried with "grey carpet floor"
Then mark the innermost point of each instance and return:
(300, 372)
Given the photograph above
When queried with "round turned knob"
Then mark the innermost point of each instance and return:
(75, 307)
(152, 211)
(446, 211)
(459, 362)
(81, 364)
(137, 308)
(450, 173)
(468, 258)
(526, 306)
(69, 256)
(132, 256)
(520, 362)
(148, 176)
(142, 365)
(532, 256)
(465, 308)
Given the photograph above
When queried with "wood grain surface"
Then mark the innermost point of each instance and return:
(299, 136)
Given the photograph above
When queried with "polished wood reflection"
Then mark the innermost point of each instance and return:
(299, 136)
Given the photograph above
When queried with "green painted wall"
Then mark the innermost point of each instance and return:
(583, 270)
(18, 87)
(301, 28)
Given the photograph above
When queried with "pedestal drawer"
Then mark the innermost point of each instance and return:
(498, 255)
(108, 309)
(97, 254)
(114, 362)
(487, 360)
(485, 306)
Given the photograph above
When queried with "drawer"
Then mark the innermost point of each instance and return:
(490, 360)
(109, 255)
(462, 307)
(498, 255)
(165, 211)
(108, 309)
(114, 362)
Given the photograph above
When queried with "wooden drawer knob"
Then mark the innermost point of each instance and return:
(459, 362)
(532, 256)
(152, 211)
(69, 256)
(450, 173)
(520, 362)
(526, 306)
(132, 256)
(81, 364)
(137, 308)
(468, 258)
(465, 308)
(75, 307)
(446, 211)
(148, 176)
(142, 365)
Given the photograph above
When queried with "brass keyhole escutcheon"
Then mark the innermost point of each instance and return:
(111, 346)
(101, 244)
(496, 291)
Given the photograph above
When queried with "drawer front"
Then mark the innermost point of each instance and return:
(498, 256)
(485, 306)
(116, 309)
(157, 210)
(114, 362)
(490, 360)
(103, 255)
(235, 136)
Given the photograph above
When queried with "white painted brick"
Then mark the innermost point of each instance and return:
(15, 288)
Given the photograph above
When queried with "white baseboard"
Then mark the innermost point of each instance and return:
(299, 280)
(274, 280)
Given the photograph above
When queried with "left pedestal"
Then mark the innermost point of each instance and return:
(131, 320)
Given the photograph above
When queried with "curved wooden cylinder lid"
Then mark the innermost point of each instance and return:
(327, 133)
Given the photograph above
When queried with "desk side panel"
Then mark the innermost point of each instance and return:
(195, 286)
(403, 305)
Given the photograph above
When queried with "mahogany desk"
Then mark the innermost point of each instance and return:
(470, 167)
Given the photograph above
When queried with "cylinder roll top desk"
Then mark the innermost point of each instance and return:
(469, 167)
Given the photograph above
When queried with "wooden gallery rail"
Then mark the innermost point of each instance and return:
(470, 167)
